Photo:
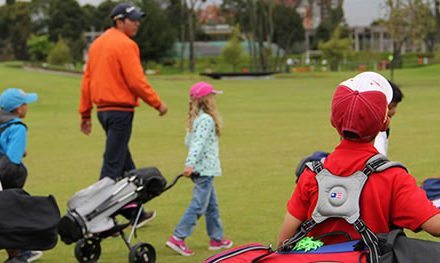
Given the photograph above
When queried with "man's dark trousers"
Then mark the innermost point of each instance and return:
(117, 157)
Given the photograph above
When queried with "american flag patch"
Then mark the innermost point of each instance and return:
(337, 195)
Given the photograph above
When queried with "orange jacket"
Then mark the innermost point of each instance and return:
(114, 78)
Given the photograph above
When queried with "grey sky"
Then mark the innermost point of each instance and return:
(357, 12)
(363, 12)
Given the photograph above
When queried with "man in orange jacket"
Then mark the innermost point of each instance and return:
(114, 81)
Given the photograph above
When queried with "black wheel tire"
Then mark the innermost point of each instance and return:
(142, 253)
(88, 250)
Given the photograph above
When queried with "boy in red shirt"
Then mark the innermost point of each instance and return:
(390, 198)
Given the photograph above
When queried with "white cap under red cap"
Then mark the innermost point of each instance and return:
(381, 81)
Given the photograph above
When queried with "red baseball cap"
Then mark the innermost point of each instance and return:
(202, 89)
(359, 109)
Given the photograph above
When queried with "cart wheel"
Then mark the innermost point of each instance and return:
(88, 250)
(142, 253)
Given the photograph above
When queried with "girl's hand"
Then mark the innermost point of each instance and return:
(187, 171)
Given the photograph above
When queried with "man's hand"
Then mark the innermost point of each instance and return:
(188, 171)
(86, 126)
(163, 109)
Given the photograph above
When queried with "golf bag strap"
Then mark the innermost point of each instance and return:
(370, 240)
(303, 230)
(290, 243)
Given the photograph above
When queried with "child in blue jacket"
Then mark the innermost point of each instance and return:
(14, 107)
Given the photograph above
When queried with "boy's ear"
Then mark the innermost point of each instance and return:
(19, 110)
(386, 124)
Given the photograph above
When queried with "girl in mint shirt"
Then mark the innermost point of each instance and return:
(202, 165)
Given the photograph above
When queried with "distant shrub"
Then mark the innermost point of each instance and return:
(168, 61)
(233, 52)
(39, 47)
(60, 54)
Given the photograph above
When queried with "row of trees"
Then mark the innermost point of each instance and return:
(30, 30)
(261, 23)
(54, 29)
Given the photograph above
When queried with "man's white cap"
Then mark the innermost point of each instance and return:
(381, 83)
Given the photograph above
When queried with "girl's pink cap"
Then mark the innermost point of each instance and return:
(202, 89)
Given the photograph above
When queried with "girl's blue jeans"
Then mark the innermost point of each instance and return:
(203, 202)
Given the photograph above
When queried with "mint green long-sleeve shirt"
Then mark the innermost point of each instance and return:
(202, 143)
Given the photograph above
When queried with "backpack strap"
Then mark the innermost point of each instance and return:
(303, 230)
(370, 239)
(315, 166)
(338, 197)
(10, 124)
(379, 163)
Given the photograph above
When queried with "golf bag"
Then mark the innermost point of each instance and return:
(27, 222)
(91, 211)
(394, 247)
(257, 252)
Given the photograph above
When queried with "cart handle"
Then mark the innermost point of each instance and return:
(177, 179)
(172, 183)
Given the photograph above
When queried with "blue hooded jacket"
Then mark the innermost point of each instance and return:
(12, 137)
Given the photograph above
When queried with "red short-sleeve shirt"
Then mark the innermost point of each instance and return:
(389, 198)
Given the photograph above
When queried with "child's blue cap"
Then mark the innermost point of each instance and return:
(13, 98)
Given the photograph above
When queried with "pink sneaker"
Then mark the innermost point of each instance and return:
(179, 246)
(216, 245)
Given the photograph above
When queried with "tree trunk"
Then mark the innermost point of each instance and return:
(191, 42)
(437, 20)
(270, 30)
(182, 36)
(287, 50)
(253, 24)
(430, 42)
(260, 39)
(251, 52)
(277, 57)
(397, 55)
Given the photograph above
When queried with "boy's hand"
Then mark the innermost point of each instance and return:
(86, 126)
(188, 171)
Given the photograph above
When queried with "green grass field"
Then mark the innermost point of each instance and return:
(269, 125)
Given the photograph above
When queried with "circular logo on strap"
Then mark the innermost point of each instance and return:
(337, 196)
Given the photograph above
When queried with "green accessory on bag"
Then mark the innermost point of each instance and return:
(307, 244)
